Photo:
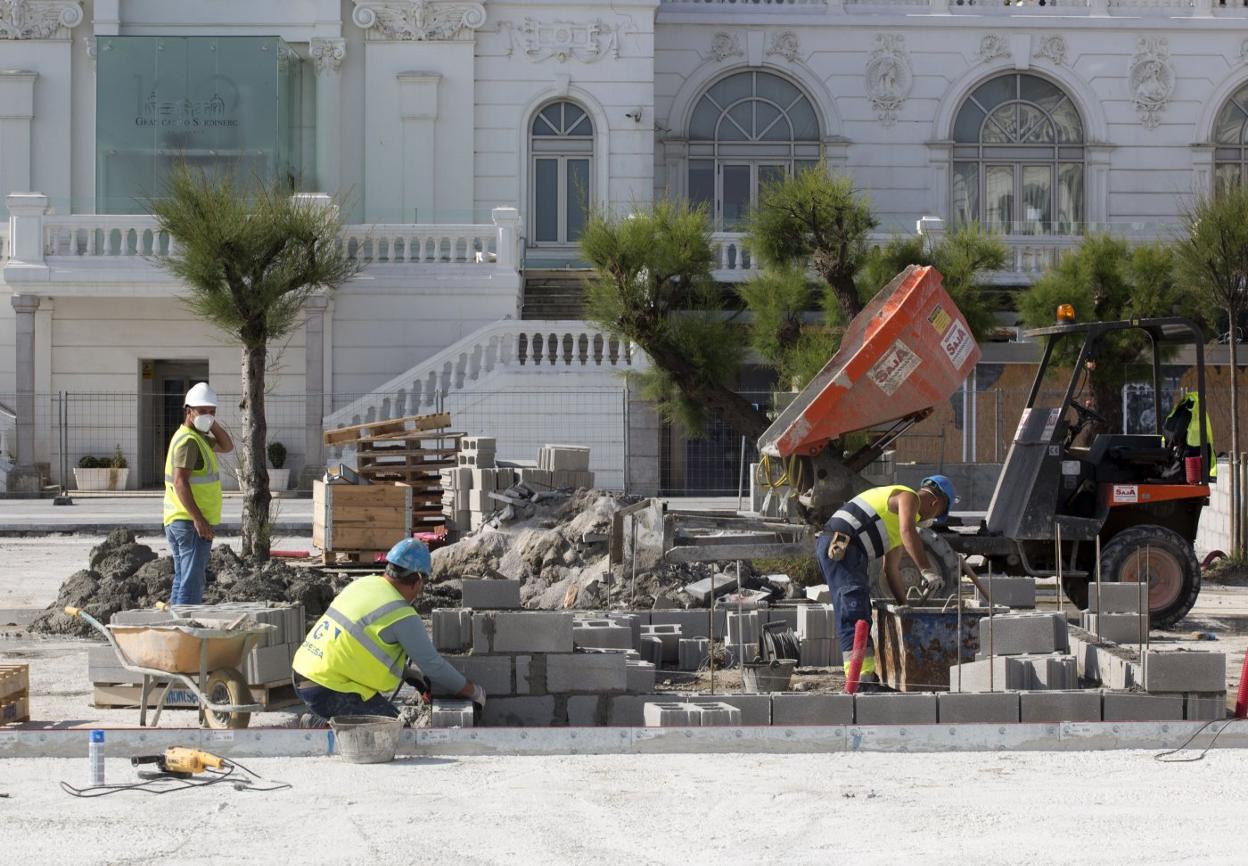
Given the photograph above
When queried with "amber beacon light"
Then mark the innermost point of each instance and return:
(1066, 313)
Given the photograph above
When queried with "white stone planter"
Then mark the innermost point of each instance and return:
(279, 480)
(101, 479)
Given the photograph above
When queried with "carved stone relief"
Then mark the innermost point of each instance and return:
(587, 42)
(725, 45)
(889, 76)
(785, 45)
(38, 19)
(1052, 48)
(327, 54)
(418, 20)
(992, 46)
(1152, 79)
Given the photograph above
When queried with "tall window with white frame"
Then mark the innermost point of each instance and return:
(747, 130)
(1230, 141)
(1018, 158)
(561, 173)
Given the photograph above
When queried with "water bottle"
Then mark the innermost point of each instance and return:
(96, 754)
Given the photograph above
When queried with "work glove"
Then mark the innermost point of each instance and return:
(419, 682)
(932, 580)
(478, 703)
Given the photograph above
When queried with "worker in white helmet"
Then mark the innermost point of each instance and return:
(193, 491)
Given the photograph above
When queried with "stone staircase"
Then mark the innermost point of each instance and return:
(554, 294)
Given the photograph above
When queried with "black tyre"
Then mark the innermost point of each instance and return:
(1161, 556)
(1076, 589)
(227, 686)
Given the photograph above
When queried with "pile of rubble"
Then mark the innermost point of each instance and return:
(124, 575)
(555, 544)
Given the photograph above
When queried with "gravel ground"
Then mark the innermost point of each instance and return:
(1113, 807)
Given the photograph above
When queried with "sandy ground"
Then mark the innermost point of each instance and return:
(1119, 807)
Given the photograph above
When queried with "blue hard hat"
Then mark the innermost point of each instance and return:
(411, 554)
(945, 487)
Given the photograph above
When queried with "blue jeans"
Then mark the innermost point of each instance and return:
(851, 590)
(328, 703)
(190, 560)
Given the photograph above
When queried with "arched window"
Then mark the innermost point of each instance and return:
(1230, 140)
(748, 129)
(561, 174)
(1018, 163)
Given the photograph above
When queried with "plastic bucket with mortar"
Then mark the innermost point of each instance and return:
(772, 676)
(366, 739)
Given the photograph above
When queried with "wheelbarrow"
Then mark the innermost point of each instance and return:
(204, 660)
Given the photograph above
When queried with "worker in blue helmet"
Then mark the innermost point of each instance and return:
(358, 651)
(878, 523)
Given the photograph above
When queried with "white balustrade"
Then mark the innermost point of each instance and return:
(105, 235)
(544, 346)
(420, 244)
(733, 262)
(817, 3)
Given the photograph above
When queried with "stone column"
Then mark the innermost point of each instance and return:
(314, 386)
(418, 108)
(1096, 186)
(26, 210)
(17, 112)
(327, 56)
(25, 477)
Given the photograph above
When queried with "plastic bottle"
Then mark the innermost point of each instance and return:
(96, 753)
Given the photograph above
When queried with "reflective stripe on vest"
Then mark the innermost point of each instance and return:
(345, 651)
(205, 482)
(876, 526)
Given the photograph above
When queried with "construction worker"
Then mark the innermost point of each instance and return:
(879, 522)
(1181, 432)
(357, 652)
(193, 491)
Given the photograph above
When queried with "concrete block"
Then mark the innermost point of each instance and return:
(484, 478)
(527, 683)
(268, 664)
(1015, 634)
(693, 623)
(1137, 707)
(1204, 707)
(652, 649)
(669, 636)
(1184, 671)
(586, 711)
(633, 622)
(639, 676)
(822, 653)
(523, 712)
(1002, 674)
(481, 501)
(816, 622)
(459, 478)
(569, 458)
(452, 628)
(522, 632)
(1125, 628)
(448, 713)
(1050, 672)
(755, 709)
(1116, 598)
(586, 672)
(478, 443)
(536, 479)
(912, 708)
(743, 628)
(492, 673)
(1080, 705)
(669, 714)
(491, 594)
(1015, 592)
(977, 708)
(819, 594)
(602, 634)
(700, 590)
(786, 615)
(812, 709)
(627, 710)
(715, 713)
(692, 653)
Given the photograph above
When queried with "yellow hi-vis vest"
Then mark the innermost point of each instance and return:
(1192, 435)
(870, 519)
(205, 482)
(345, 651)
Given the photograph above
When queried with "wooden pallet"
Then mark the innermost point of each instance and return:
(14, 681)
(352, 557)
(15, 711)
(394, 426)
(126, 696)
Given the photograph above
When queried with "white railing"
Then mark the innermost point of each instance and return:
(105, 235)
(745, 3)
(733, 261)
(1194, 8)
(542, 346)
(4, 240)
(423, 244)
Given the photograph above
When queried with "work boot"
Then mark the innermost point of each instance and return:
(869, 684)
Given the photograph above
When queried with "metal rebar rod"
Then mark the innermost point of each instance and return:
(711, 642)
(741, 476)
(959, 638)
(633, 518)
(1100, 608)
(992, 638)
(1061, 595)
(740, 629)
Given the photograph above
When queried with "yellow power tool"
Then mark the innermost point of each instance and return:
(182, 762)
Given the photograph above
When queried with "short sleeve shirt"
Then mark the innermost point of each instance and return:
(189, 456)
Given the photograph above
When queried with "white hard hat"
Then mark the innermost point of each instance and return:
(201, 395)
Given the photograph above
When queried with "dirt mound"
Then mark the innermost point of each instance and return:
(560, 556)
(124, 575)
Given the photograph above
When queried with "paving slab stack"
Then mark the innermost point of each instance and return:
(466, 500)
(268, 665)
(568, 466)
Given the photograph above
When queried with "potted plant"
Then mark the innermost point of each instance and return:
(102, 473)
(279, 475)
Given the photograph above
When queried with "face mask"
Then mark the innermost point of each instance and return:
(203, 423)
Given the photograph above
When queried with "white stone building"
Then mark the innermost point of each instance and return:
(467, 141)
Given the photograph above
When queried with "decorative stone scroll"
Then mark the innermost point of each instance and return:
(889, 76)
(418, 20)
(785, 45)
(1151, 79)
(992, 46)
(725, 45)
(587, 42)
(1053, 49)
(327, 54)
(38, 19)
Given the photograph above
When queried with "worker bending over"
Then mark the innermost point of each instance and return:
(357, 653)
(879, 522)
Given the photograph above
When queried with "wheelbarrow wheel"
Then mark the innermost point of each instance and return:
(227, 686)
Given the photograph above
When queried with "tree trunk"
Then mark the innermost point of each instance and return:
(841, 281)
(253, 475)
(735, 411)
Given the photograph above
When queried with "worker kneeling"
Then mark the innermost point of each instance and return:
(879, 522)
(357, 653)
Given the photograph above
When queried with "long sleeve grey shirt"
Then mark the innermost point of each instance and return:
(410, 633)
